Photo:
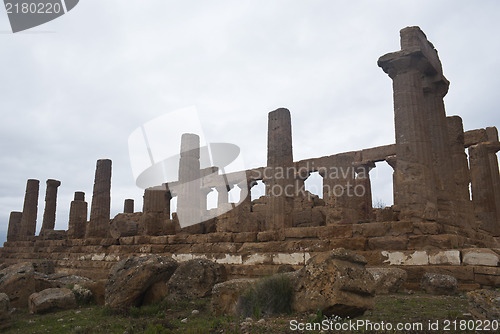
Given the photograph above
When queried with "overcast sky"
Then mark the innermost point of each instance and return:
(74, 89)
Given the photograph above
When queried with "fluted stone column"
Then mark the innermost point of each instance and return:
(483, 192)
(98, 226)
(14, 226)
(78, 216)
(189, 194)
(363, 190)
(280, 174)
(128, 206)
(30, 208)
(410, 69)
(459, 170)
(49, 215)
(492, 134)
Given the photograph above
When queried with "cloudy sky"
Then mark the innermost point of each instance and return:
(74, 89)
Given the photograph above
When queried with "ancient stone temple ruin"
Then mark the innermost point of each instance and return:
(435, 225)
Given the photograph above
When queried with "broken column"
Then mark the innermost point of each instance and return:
(49, 215)
(410, 69)
(78, 216)
(189, 194)
(280, 172)
(154, 217)
(14, 226)
(459, 170)
(482, 184)
(98, 226)
(30, 208)
(128, 206)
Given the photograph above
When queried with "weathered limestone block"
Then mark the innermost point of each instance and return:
(195, 279)
(98, 226)
(387, 280)
(438, 284)
(337, 282)
(18, 282)
(52, 299)
(77, 216)
(125, 225)
(30, 208)
(129, 279)
(49, 215)
(13, 232)
(128, 206)
(449, 257)
(280, 174)
(480, 257)
(225, 295)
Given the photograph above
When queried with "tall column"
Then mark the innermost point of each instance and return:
(78, 216)
(203, 200)
(280, 172)
(14, 225)
(30, 208)
(363, 190)
(128, 206)
(189, 194)
(483, 192)
(168, 198)
(98, 226)
(392, 161)
(459, 171)
(222, 195)
(49, 215)
(492, 134)
(409, 69)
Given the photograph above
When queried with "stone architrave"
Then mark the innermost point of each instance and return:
(98, 226)
(128, 206)
(411, 70)
(30, 208)
(460, 173)
(14, 225)
(280, 171)
(49, 215)
(189, 187)
(482, 185)
(78, 216)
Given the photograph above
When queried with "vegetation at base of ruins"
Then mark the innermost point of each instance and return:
(160, 318)
(268, 296)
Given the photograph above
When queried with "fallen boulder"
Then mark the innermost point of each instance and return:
(225, 295)
(18, 282)
(194, 279)
(388, 280)
(484, 304)
(4, 311)
(51, 299)
(438, 284)
(130, 279)
(337, 283)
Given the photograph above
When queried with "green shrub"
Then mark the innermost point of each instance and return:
(268, 296)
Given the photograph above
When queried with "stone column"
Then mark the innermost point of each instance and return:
(392, 161)
(98, 226)
(49, 215)
(30, 208)
(483, 192)
(414, 174)
(153, 219)
(280, 171)
(78, 216)
(222, 195)
(364, 196)
(459, 171)
(300, 182)
(246, 193)
(168, 198)
(128, 206)
(14, 225)
(189, 194)
(203, 200)
(492, 134)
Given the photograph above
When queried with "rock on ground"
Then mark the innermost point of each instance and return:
(194, 279)
(18, 282)
(130, 279)
(4, 311)
(52, 299)
(484, 304)
(337, 283)
(225, 295)
(438, 284)
(388, 280)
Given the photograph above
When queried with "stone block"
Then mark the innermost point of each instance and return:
(442, 241)
(401, 228)
(417, 258)
(158, 240)
(253, 259)
(334, 231)
(350, 243)
(301, 232)
(480, 257)
(245, 237)
(220, 237)
(388, 243)
(426, 228)
(450, 257)
(126, 241)
(371, 229)
(270, 236)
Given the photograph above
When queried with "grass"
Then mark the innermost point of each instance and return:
(164, 318)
